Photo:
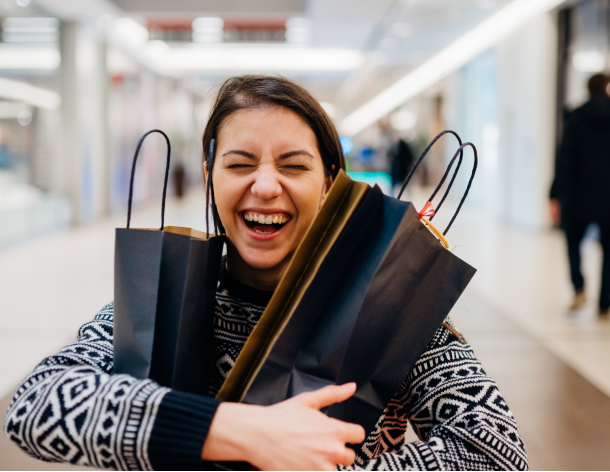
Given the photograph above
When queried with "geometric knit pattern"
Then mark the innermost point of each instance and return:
(453, 406)
(233, 322)
(456, 410)
(70, 409)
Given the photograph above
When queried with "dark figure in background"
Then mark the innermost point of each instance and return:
(179, 177)
(401, 160)
(580, 194)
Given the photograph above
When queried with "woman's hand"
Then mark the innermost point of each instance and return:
(291, 435)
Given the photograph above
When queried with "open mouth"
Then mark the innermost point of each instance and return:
(265, 224)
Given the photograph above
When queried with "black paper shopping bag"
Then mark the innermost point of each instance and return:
(366, 314)
(164, 288)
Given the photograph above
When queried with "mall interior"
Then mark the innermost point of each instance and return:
(82, 80)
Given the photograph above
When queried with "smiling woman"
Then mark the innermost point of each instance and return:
(275, 153)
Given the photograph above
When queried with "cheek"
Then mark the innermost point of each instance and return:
(307, 200)
(228, 191)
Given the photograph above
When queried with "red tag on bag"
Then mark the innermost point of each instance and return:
(427, 211)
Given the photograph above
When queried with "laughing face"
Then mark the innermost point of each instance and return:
(269, 183)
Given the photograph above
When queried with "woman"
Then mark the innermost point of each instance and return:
(276, 154)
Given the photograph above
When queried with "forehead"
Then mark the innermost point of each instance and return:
(270, 125)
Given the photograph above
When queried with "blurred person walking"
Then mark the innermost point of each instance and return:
(401, 161)
(580, 194)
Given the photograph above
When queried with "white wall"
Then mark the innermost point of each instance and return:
(504, 102)
(527, 90)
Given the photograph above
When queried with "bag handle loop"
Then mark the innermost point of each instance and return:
(474, 170)
(209, 191)
(421, 158)
(133, 171)
(428, 210)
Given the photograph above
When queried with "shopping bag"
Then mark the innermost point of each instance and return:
(363, 309)
(164, 292)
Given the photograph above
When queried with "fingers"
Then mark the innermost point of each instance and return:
(327, 396)
(348, 458)
(354, 433)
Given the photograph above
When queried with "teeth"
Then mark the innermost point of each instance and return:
(265, 219)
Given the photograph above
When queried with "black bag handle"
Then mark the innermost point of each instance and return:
(133, 171)
(209, 191)
(474, 170)
(412, 171)
(460, 154)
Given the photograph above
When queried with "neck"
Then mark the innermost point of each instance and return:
(260, 279)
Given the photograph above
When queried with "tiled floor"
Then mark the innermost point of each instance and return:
(552, 368)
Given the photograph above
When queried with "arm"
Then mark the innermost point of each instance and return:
(291, 435)
(71, 409)
(457, 412)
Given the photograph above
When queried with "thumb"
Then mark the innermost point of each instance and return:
(327, 396)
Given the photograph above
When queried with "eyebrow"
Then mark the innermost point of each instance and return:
(286, 155)
(241, 153)
(298, 152)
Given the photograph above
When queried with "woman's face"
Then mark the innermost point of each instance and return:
(269, 183)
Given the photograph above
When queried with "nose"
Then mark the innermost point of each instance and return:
(266, 185)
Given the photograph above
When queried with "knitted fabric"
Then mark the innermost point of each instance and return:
(71, 409)
(454, 407)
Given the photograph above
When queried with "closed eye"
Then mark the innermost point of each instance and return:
(297, 167)
(238, 166)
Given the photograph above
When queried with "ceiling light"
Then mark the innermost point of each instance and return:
(22, 3)
(588, 61)
(457, 54)
(297, 31)
(256, 58)
(26, 93)
(204, 23)
(208, 30)
(43, 58)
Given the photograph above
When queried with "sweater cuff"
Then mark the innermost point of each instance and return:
(180, 429)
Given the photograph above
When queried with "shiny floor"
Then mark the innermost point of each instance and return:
(552, 367)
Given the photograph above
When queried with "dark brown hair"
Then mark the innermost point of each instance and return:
(257, 91)
(597, 85)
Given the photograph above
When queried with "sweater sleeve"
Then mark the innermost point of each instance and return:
(73, 409)
(455, 409)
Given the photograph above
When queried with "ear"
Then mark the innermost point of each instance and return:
(327, 185)
(205, 170)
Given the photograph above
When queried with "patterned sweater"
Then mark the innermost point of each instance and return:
(73, 409)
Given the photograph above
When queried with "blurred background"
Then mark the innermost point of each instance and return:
(82, 80)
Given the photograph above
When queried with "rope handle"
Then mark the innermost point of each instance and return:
(437, 232)
(133, 171)
(429, 211)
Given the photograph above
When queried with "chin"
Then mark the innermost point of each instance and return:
(263, 260)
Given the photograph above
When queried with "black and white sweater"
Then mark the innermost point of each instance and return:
(73, 409)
